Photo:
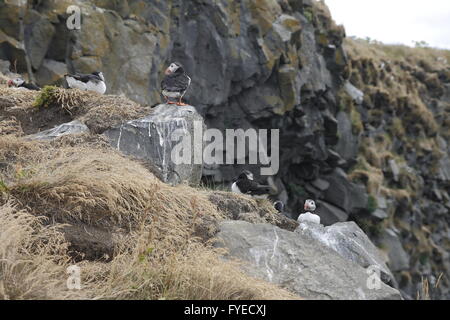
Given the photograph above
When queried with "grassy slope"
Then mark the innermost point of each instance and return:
(159, 234)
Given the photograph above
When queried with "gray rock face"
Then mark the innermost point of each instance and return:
(356, 94)
(395, 170)
(73, 127)
(347, 146)
(380, 214)
(298, 263)
(398, 258)
(37, 43)
(157, 139)
(4, 66)
(351, 243)
(344, 194)
(330, 214)
(51, 72)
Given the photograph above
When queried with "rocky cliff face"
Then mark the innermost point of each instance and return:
(363, 128)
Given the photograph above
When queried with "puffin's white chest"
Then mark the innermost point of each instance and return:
(99, 86)
(235, 188)
(171, 94)
(309, 217)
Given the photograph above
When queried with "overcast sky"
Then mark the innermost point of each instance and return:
(395, 21)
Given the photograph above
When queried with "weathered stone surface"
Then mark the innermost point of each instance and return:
(51, 72)
(356, 94)
(40, 34)
(398, 258)
(344, 194)
(156, 137)
(4, 66)
(330, 214)
(297, 262)
(73, 127)
(379, 214)
(351, 243)
(321, 184)
(348, 144)
(395, 170)
(12, 50)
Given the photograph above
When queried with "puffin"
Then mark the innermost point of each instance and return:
(246, 185)
(279, 206)
(87, 82)
(309, 216)
(20, 83)
(175, 83)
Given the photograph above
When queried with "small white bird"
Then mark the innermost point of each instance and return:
(309, 216)
(87, 82)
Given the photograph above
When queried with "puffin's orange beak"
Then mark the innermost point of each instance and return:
(167, 72)
(10, 83)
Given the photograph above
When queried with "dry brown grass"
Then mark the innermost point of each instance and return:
(19, 98)
(10, 126)
(53, 106)
(376, 69)
(154, 270)
(436, 59)
(426, 291)
(371, 176)
(79, 180)
(99, 112)
(33, 263)
(31, 256)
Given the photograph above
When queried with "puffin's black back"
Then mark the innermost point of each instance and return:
(177, 81)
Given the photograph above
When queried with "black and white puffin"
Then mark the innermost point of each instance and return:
(279, 206)
(87, 82)
(246, 185)
(20, 83)
(309, 216)
(175, 83)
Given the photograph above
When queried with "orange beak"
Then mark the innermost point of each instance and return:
(10, 83)
(167, 72)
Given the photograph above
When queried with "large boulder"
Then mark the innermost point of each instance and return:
(299, 263)
(351, 243)
(160, 136)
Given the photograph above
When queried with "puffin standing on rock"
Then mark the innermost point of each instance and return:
(87, 82)
(175, 83)
(21, 84)
(246, 185)
(309, 216)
